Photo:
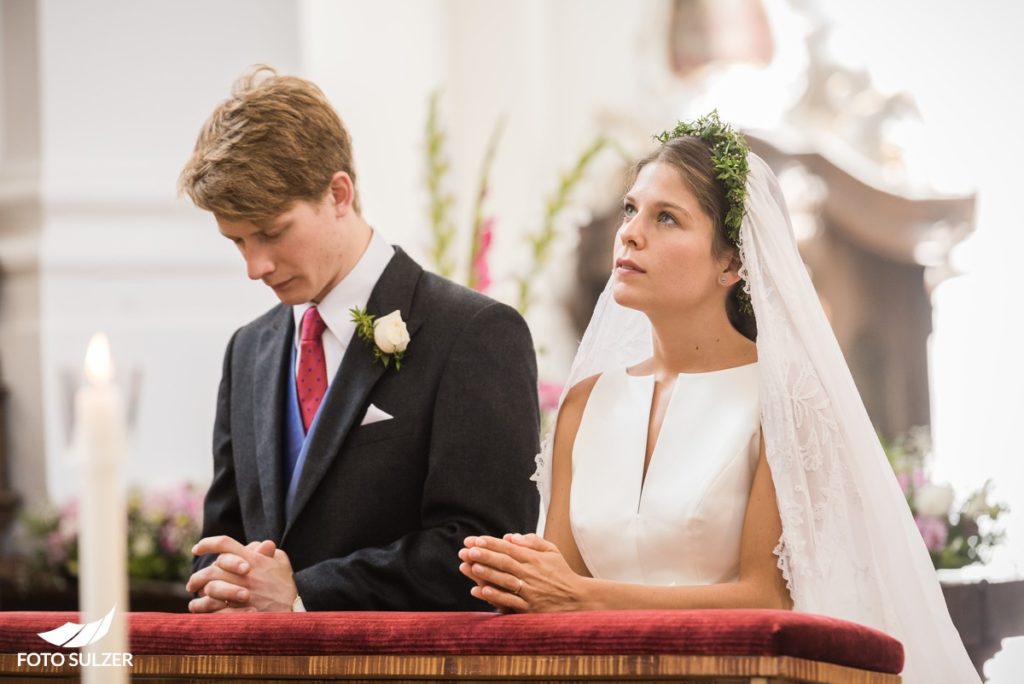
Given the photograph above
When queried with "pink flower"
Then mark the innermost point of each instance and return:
(67, 523)
(918, 478)
(182, 500)
(56, 550)
(933, 530)
(904, 481)
(481, 269)
(69, 510)
(171, 540)
(548, 394)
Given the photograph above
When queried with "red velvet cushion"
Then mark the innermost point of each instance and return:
(623, 632)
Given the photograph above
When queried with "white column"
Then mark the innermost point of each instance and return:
(20, 226)
(124, 88)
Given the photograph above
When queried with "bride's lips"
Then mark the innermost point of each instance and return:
(627, 266)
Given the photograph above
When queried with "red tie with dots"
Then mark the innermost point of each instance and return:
(311, 380)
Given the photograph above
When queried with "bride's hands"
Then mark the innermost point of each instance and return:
(520, 573)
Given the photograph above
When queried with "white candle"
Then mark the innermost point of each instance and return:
(102, 542)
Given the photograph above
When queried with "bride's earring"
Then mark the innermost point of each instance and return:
(723, 279)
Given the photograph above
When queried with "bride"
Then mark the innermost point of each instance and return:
(712, 450)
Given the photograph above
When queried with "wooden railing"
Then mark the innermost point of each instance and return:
(695, 646)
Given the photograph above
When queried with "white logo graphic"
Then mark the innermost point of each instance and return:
(74, 635)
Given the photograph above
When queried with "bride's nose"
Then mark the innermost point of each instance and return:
(631, 233)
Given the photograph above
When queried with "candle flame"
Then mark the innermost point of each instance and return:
(98, 366)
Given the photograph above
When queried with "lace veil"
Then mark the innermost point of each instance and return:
(849, 546)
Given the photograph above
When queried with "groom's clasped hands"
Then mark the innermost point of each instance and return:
(253, 577)
(521, 573)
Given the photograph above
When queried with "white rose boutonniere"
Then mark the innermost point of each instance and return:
(388, 335)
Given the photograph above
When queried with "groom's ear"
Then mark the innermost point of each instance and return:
(343, 193)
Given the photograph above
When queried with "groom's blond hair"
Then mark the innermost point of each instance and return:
(275, 141)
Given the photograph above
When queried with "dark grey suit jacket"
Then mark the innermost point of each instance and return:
(381, 510)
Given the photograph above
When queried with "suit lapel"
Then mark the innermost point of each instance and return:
(349, 392)
(270, 371)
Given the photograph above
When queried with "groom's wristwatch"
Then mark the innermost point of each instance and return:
(297, 606)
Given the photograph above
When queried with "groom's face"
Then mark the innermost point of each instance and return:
(300, 255)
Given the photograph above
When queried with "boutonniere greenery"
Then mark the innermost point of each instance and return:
(388, 335)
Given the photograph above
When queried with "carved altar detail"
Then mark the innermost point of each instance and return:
(869, 259)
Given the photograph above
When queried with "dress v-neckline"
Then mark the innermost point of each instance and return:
(645, 465)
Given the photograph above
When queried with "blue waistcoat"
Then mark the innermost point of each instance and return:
(296, 439)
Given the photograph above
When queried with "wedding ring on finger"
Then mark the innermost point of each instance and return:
(519, 587)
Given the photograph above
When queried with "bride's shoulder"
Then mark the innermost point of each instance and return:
(577, 396)
(570, 415)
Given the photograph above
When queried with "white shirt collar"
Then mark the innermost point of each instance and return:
(353, 291)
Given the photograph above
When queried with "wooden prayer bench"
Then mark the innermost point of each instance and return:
(753, 646)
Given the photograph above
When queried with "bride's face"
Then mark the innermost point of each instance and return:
(664, 260)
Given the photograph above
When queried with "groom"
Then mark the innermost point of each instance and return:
(350, 460)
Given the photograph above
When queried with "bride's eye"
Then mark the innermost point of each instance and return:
(665, 217)
(628, 211)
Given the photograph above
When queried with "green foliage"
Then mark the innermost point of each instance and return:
(443, 228)
(442, 225)
(476, 241)
(540, 241)
(364, 324)
(729, 155)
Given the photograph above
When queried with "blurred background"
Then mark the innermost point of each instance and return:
(491, 139)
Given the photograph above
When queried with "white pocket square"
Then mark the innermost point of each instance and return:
(375, 415)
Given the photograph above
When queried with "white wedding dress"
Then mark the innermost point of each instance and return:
(681, 524)
(849, 546)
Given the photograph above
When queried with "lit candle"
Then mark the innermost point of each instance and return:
(102, 545)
